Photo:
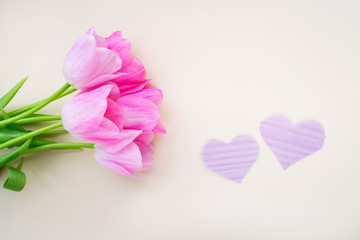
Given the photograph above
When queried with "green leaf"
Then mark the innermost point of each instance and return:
(36, 108)
(4, 114)
(13, 126)
(5, 159)
(20, 164)
(17, 179)
(8, 96)
(9, 132)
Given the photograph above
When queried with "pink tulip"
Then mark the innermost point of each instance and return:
(94, 60)
(122, 124)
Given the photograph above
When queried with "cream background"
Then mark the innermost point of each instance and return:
(223, 67)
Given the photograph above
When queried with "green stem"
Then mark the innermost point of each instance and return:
(36, 108)
(41, 115)
(54, 132)
(37, 119)
(63, 146)
(28, 107)
(29, 135)
(67, 92)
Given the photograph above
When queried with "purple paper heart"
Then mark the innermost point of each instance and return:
(231, 160)
(291, 142)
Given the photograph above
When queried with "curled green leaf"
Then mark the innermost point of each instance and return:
(16, 180)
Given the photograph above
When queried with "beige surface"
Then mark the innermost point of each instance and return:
(223, 67)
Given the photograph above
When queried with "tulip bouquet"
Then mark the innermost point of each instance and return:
(115, 111)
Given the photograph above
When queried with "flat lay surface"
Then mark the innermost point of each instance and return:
(223, 67)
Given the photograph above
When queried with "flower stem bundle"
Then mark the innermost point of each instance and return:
(115, 111)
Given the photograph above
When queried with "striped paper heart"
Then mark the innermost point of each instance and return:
(291, 142)
(231, 160)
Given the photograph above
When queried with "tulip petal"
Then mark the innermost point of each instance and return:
(92, 117)
(113, 113)
(115, 92)
(122, 46)
(132, 88)
(159, 128)
(74, 65)
(145, 137)
(105, 131)
(100, 41)
(135, 73)
(105, 78)
(152, 94)
(125, 161)
(85, 62)
(138, 113)
(84, 110)
(116, 34)
(107, 62)
(117, 168)
(104, 90)
(134, 69)
(146, 154)
(119, 141)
